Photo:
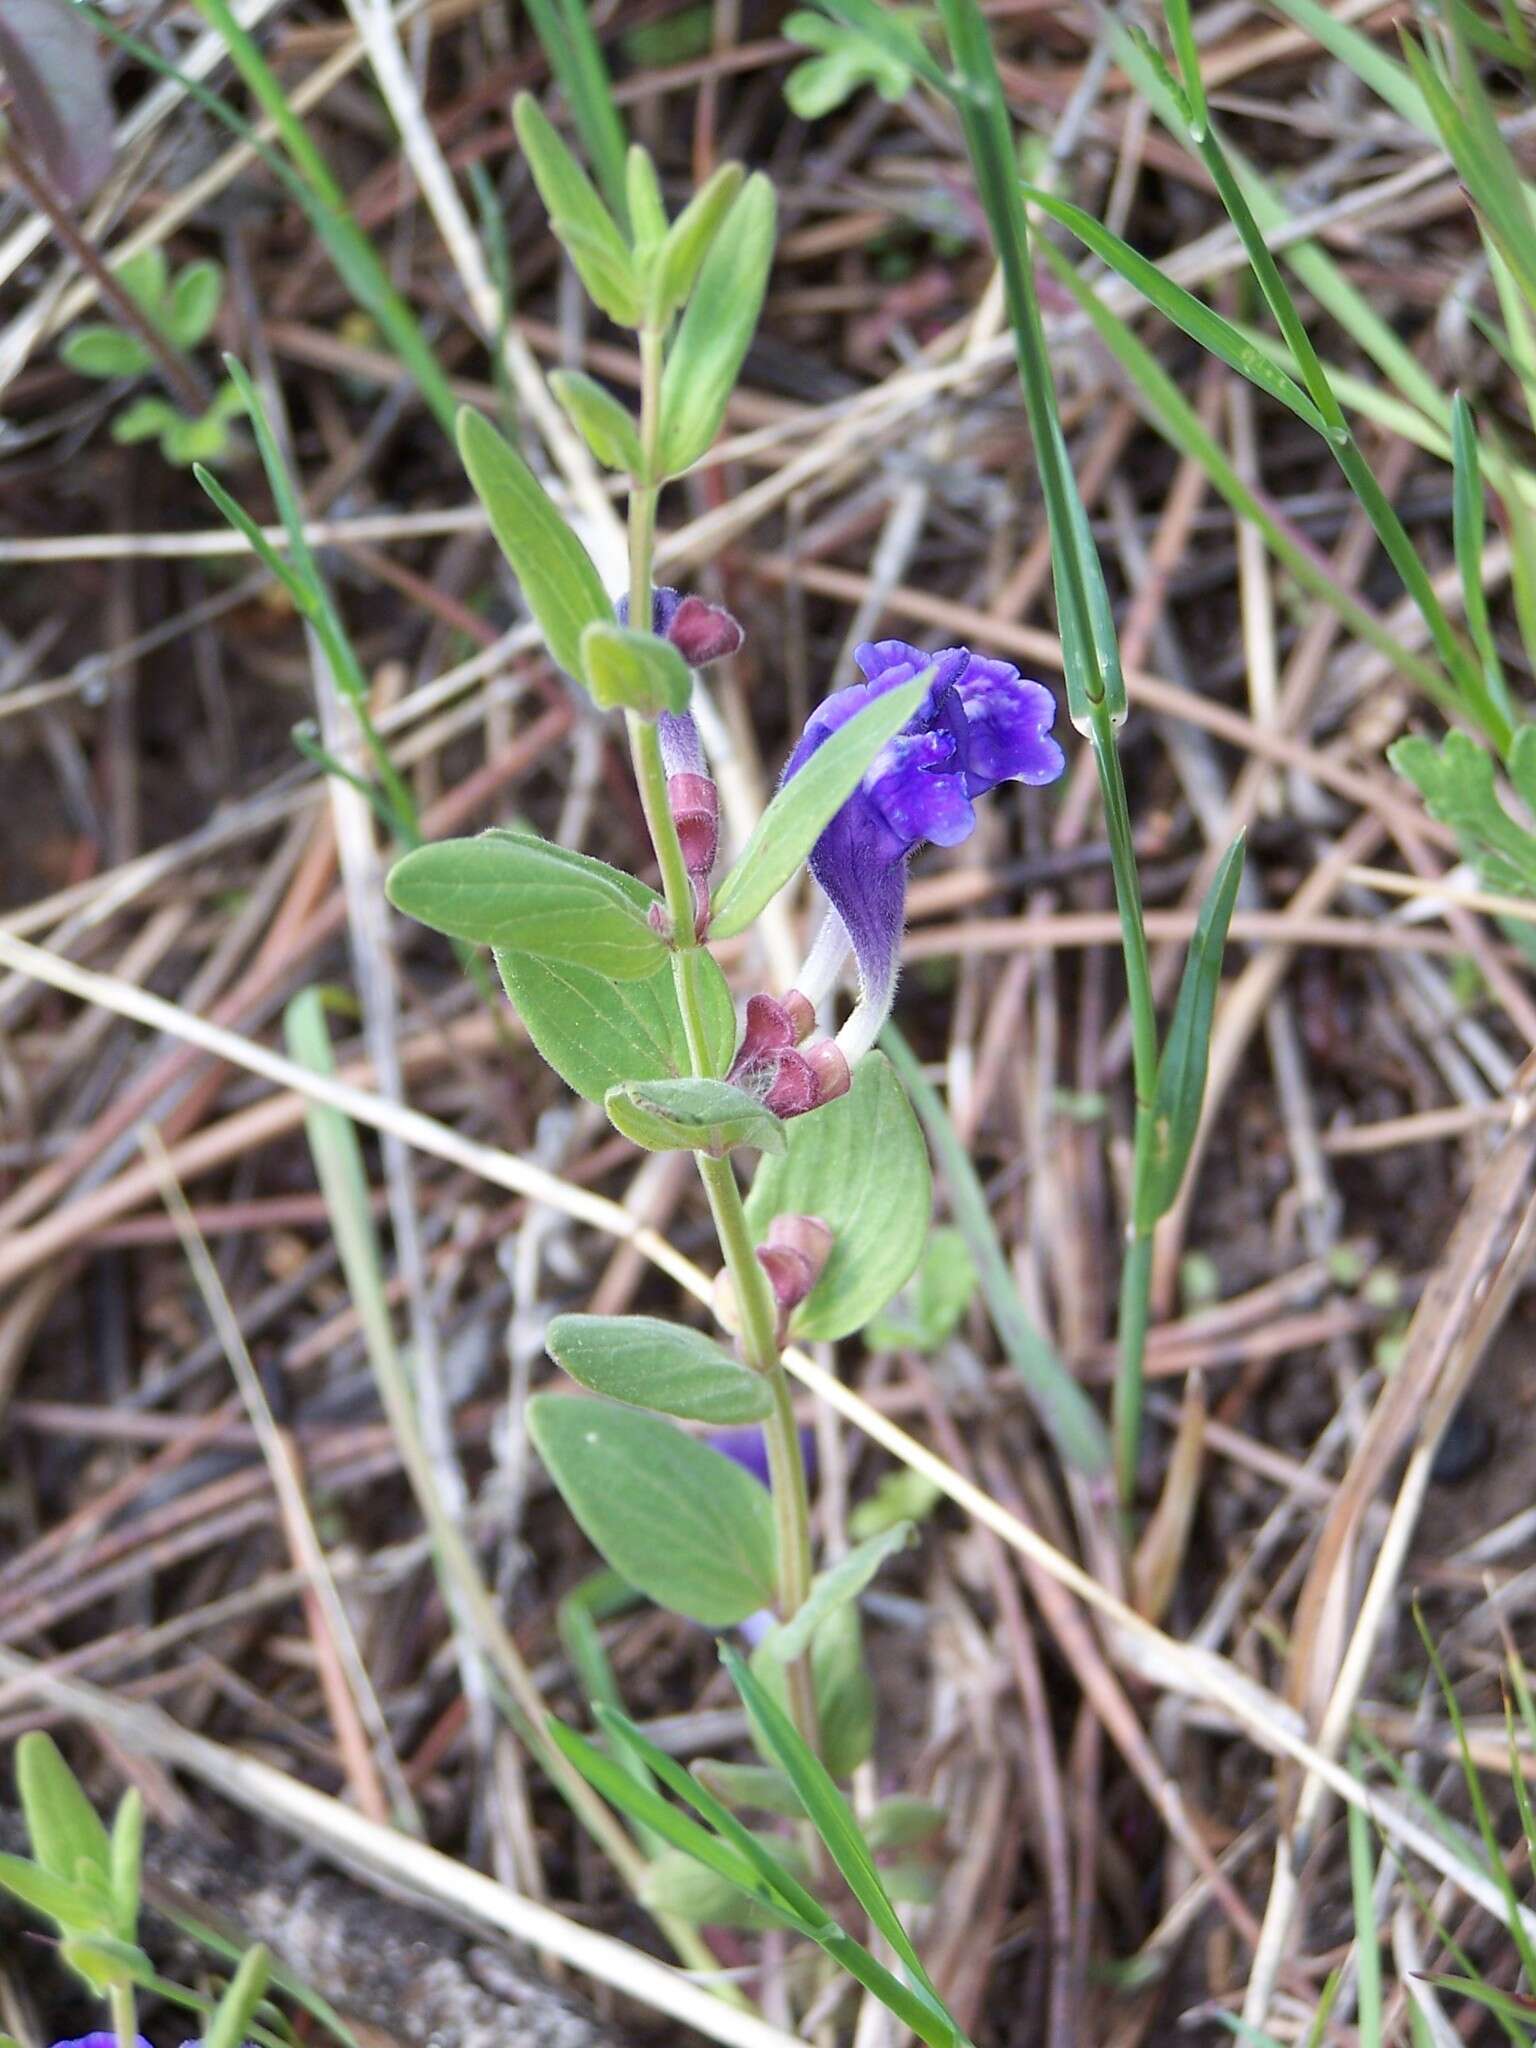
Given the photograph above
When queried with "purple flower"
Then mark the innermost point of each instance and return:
(99, 2041)
(748, 1448)
(981, 723)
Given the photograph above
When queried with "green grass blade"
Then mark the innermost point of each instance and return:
(1309, 261)
(641, 1802)
(829, 1814)
(1362, 1880)
(1170, 412)
(1214, 334)
(576, 58)
(260, 546)
(1181, 1071)
(1065, 1411)
(1484, 1819)
(319, 608)
(1391, 82)
(1469, 531)
(361, 267)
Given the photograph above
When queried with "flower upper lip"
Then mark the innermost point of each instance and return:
(980, 723)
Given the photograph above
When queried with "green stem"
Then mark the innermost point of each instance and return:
(755, 1305)
(358, 263)
(1095, 691)
(1136, 1272)
(125, 2024)
(1130, 1377)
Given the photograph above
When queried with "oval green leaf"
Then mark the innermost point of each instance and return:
(577, 215)
(651, 1364)
(1180, 1087)
(861, 1165)
(596, 1033)
(102, 351)
(637, 671)
(192, 304)
(602, 422)
(691, 1115)
(685, 1525)
(689, 238)
(715, 331)
(558, 576)
(65, 1830)
(515, 890)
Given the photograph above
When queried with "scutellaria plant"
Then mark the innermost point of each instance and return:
(620, 992)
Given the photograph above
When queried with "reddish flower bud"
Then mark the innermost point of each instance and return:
(768, 1029)
(801, 1012)
(695, 806)
(806, 1235)
(789, 1275)
(703, 632)
(797, 1250)
(787, 1081)
(793, 1088)
(827, 1062)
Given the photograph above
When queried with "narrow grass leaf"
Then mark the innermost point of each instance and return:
(1362, 1880)
(356, 261)
(1065, 1411)
(1199, 321)
(1469, 531)
(1176, 420)
(832, 1819)
(605, 1774)
(297, 587)
(1492, 1849)
(782, 1891)
(1181, 1070)
(1181, 32)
